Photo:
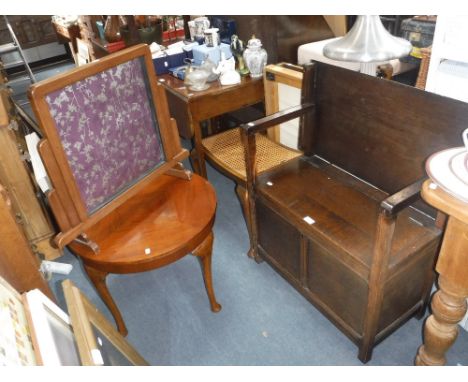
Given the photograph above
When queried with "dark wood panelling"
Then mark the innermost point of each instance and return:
(282, 35)
(369, 125)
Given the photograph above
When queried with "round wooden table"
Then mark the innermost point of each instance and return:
(169, 219)
(449, 302)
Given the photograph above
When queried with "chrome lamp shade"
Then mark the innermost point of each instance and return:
(367, 41)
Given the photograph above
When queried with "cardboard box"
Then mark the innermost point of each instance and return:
(214, 53)
(163, 64)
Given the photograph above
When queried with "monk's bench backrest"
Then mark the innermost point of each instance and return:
(379, 130)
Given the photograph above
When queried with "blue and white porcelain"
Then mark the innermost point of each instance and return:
(255, 57)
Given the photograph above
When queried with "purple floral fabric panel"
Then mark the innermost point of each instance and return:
(108, 131)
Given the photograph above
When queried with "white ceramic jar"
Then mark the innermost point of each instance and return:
(255, 57)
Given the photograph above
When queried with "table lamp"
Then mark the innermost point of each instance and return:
(367, 42)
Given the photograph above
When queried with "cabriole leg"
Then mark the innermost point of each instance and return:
(203, 253)
(98, 278)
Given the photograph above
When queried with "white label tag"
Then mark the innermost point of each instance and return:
(308, 220)
(97, 357)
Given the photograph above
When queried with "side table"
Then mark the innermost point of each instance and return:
(206, 104)
(449, 302)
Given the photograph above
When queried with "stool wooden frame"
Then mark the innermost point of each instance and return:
(163, 215)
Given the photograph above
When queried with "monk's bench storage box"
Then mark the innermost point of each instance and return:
(344, 223)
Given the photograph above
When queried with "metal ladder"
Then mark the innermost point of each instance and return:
(13, 47)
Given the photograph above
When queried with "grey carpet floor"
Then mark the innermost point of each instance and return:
(264, 321)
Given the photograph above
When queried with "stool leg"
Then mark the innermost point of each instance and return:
(203, 252)
(98, 278)
(197, 155)
(243, 197)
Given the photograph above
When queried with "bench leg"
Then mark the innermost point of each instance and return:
(366, 348)
(377, 278)
(427, 295)
(203, 253)
(98, 278)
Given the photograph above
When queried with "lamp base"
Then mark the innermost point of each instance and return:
(369, 68)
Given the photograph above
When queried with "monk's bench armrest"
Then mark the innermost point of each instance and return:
(402, 199)
(264, 123)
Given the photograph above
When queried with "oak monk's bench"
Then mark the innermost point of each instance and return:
(343, 223)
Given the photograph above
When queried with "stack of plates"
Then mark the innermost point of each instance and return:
(449, 170)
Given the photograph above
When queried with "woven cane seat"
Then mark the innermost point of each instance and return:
(226, 151)
(423, 68)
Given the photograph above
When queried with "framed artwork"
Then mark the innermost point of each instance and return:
(51, 332)
(16, 347)
(107, 146)
(99, 343)
(82, 56)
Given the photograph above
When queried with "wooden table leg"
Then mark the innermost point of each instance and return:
(98, 278)
(197, 155)
(203, 252)
(449, 303)
(441, 328)
(194, 161)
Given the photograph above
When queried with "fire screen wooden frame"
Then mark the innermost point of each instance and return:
(66, 199)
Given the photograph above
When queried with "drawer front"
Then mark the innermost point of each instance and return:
(342, 291)
(279, 239)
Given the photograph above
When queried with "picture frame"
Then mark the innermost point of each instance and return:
(16, 347)
(98, 342)
(51, 333)
(82, 55)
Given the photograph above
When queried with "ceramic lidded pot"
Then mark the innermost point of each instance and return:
(255, 57)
